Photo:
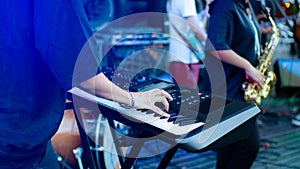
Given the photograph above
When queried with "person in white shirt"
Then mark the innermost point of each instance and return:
(184, 23)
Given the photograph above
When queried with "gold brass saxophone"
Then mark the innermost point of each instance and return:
(253, 92)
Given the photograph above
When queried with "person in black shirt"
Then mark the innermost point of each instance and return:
(233, 39)
(39, 46)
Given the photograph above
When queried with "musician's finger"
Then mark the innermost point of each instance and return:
(159, 111)
(167, 95)
(260, 83)
(260, 80)
(166, 104)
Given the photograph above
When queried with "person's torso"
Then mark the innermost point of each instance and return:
(178, 10)
(31, 98)
(232, 28)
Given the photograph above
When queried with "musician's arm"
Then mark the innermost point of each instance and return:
(231, 57)
(204, 14)
(146, 100)
(198, 30)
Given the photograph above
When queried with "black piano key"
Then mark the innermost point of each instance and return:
(143, 110)
(171, 113)
(156, 115)
(187, 122)
(182, 119)
(163, 117)
(150, 112)
(172, 118)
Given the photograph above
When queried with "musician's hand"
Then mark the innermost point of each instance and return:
(254, 76)
(147, 100)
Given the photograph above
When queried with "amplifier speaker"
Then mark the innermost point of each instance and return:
(288, 76)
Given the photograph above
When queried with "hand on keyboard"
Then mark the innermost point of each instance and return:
(147, 100)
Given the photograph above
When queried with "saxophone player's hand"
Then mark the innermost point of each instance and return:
(254, 76)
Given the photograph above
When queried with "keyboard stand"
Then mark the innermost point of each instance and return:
(87, 156)
(126, 161)
(168, 157)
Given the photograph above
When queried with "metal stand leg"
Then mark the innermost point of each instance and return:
(78, 153)
(88, 157)
(167, 157)
(125, 162)
(63, 162)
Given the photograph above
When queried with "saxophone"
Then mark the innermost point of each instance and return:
(254, 92)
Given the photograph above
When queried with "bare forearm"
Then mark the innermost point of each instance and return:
(229, 56)
(102, 87)
(199, 31)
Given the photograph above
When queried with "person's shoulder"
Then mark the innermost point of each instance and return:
(183, 2)
(223, 2)
(222, 6)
